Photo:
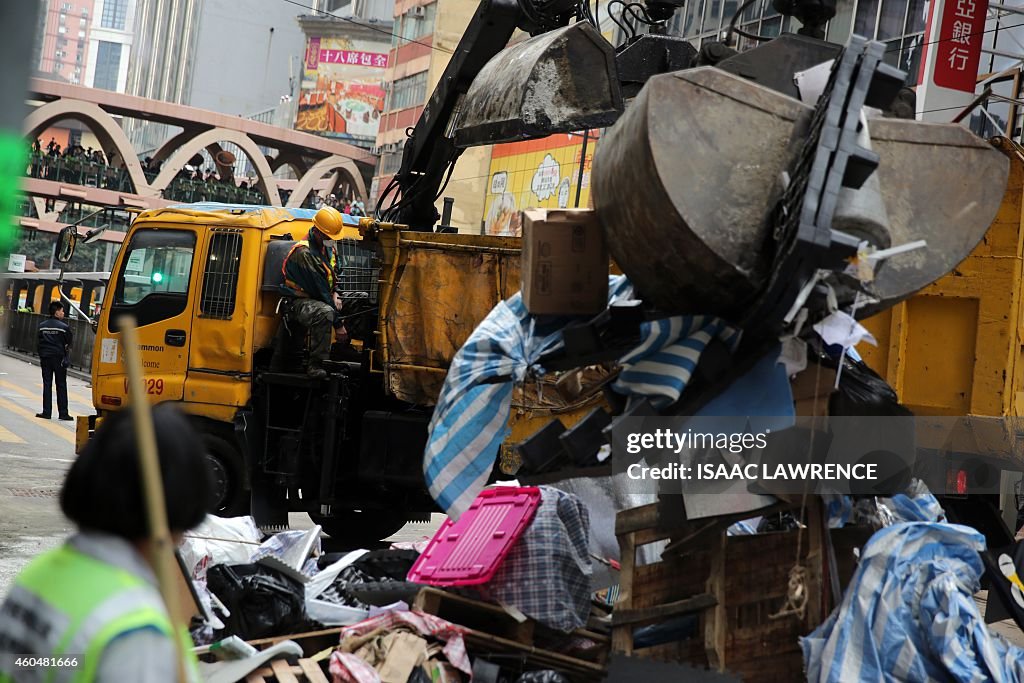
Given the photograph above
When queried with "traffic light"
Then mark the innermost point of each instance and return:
(158, 277)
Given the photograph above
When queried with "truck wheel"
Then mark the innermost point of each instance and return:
(230, 499)
(360, 529)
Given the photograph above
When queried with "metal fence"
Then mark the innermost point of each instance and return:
(23, 335)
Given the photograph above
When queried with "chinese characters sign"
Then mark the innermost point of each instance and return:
(342, 88)
(959, 45)
(354, 57)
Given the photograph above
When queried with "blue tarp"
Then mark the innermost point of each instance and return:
(471, 416)
(909, 612)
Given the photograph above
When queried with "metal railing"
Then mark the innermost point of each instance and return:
(23, 335)
(88, 173)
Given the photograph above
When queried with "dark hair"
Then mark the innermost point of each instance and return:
(56, 306)
(103, 489)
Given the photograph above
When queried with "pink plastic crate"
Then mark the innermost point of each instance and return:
(469, 551)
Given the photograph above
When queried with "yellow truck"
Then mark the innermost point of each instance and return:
(202, 284)
(954, 351)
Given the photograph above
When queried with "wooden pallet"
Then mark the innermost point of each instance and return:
(730, 585)
(474, 614)
(306, 671)
(490, 629)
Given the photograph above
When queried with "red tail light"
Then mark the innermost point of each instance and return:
(110, 400)
(961, 482)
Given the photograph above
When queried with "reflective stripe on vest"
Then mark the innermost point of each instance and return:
(330, 269)
(68, 603)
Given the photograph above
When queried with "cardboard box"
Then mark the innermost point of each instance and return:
(565, 262)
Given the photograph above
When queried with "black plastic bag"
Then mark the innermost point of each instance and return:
(263, 602)
(862, 392)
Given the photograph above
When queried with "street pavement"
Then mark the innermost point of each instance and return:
(35, 454)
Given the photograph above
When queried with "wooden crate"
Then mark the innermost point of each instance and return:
(307, 671)
(489, 629)
(730, 584)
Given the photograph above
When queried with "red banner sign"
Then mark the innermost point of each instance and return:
(959, 44)
(356, 58)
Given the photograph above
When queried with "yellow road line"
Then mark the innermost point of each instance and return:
(7, 436)
(66, 434)
(73, 396)
(37, 396)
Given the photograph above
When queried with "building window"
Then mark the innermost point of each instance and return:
(390, 162)
(108, 64)
(408, 92)
(414, 24)
(114, 14)
(62, 29)
(65, 7)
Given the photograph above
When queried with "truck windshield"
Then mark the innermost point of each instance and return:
(153, 281)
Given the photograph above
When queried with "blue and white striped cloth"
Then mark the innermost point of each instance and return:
(909, 614)
(471, 416)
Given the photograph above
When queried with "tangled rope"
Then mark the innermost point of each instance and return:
(796, 594)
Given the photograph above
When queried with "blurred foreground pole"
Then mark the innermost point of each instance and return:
(161, 548)
(17, 34)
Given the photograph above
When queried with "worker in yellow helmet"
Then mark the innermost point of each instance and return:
(309, 274)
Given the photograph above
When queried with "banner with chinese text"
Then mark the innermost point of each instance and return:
(342, 88)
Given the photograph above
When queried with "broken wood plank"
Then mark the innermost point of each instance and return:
(283, 671)
(715, 619)
(641, 615)
(312, 670)
(475, 614)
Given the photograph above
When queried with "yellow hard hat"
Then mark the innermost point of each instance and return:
(328, 220)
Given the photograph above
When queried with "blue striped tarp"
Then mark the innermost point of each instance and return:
(909, 614)
(471, 416)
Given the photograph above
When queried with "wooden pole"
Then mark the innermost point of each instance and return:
(161, 549)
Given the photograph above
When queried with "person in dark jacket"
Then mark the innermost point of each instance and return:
(308, 287)
(54, 347)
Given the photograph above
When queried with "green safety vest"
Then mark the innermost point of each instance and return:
(66, 603)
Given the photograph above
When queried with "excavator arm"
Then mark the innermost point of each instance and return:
(430, 151)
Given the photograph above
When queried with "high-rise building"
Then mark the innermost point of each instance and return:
(64, 43)
(900, 24)
(110, 43)
(209, 54)
(426, 33)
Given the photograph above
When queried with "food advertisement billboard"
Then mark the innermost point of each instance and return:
(342, 88)
(540, 174)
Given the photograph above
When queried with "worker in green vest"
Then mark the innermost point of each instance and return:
(91, 610)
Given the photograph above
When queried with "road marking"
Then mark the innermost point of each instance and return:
(73, 396)
(34, 458)
(66, 434)
(26, 393)
(8, 436)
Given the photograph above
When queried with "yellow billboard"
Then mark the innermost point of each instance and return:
(536, 174)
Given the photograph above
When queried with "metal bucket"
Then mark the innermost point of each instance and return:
(557, 82)
(685, 181)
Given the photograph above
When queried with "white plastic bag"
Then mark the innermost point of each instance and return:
(219, 540)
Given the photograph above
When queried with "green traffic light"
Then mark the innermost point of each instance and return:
(158, 277)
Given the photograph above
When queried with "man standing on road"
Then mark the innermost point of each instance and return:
(54, 347)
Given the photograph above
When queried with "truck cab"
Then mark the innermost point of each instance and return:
(201, 282)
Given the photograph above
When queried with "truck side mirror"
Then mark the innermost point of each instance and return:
(67, 240)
